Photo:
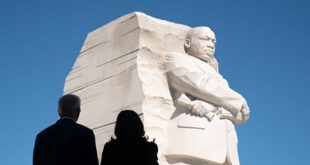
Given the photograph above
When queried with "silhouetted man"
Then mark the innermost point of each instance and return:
(66, 142)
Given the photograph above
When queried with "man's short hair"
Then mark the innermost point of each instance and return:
(69, 104)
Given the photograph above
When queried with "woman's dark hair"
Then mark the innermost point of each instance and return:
(129, 126)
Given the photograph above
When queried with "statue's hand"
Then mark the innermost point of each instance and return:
(202, 108)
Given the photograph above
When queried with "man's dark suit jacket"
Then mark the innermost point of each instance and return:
(65, 143)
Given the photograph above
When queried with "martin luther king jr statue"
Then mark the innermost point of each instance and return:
(201, 130)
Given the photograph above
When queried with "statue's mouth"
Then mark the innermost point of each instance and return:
(209, 52)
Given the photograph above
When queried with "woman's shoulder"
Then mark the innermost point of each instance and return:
(152, 146)
(111, 144)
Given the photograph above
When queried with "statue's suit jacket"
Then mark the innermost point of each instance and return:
(65, 143)
(194, 137)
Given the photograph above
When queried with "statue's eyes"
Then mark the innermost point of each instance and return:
(205, 38)
(208, 39)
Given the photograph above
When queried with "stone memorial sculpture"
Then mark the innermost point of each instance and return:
(206, 108)
(167, 73)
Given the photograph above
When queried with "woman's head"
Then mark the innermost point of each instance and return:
(129, 126)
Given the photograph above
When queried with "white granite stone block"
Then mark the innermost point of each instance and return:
(122, 66)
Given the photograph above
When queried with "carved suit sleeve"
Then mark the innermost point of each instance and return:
(184, 76)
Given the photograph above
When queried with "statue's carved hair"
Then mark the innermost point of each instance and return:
(194, 31)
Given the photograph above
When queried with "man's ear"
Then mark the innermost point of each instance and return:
(187, 43)
(78, 113)
(59, 113)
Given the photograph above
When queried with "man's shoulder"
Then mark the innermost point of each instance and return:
(66, 126)
(70, 123)
(47, 130)
(84, 128)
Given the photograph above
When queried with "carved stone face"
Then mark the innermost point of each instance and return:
(201, 43)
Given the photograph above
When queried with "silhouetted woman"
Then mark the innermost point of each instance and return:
(130, 146)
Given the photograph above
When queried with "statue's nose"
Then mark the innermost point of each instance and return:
(210, 46)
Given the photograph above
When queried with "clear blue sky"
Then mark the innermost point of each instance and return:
(262, 48)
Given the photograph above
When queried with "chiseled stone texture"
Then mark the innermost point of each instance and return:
(120, 66)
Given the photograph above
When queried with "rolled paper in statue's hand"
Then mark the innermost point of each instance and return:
(186, 102)
(224, 114)
(238, 119)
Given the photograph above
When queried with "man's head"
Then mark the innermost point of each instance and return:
(200, 43)
(69, 106)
